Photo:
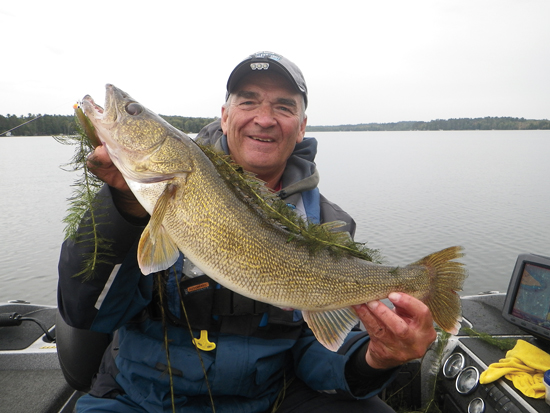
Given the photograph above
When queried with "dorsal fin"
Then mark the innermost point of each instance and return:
(315, 237)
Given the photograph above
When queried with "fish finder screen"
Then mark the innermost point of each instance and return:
(532, 301)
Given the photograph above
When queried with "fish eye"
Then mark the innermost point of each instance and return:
(134, 108)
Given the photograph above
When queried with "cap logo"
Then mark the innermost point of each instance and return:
(259, 66)
(267, 55)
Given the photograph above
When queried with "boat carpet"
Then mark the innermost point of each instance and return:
(33, 391)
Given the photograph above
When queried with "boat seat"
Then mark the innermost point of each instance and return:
(80, 353)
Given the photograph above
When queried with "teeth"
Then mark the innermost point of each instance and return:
(261, 140)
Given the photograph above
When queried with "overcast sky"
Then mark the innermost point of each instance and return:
(364, 61)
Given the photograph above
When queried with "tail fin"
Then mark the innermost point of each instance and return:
(447, 277)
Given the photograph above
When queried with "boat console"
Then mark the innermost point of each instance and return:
(523, 312)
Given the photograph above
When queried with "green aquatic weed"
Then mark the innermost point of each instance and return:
(315, 237)
(84, 211)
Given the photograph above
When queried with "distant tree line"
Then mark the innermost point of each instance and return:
(45, 125)
(48, 125)
(487, 123)
(188, 125)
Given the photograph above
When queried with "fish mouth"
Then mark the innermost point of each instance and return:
(112, 127)
(103, 120)
(89, 102)
(94, 112)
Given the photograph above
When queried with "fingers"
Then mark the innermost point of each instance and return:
(399, 334)
(368, 315)
(99, 158)
(377, 318)
(411, 309)
(100, 164)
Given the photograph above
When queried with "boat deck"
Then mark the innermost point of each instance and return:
(31, 378)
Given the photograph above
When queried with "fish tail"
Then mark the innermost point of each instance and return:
(446, 278)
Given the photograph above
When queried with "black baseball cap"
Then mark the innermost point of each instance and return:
(268, 61)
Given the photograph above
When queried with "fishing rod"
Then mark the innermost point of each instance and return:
(29, 121)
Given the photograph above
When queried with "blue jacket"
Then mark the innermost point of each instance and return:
(256, 350)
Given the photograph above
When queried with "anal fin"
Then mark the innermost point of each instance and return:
(331, 327)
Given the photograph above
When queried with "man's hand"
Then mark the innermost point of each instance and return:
(100, 165)
(399, 335)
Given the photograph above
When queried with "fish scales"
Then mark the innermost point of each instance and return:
(313, 285)
(196, 211)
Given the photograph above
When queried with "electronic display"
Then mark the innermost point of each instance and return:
(527, 303)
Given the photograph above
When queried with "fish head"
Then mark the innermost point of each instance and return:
(142, 145)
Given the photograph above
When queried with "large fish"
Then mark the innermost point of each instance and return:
(194, 210)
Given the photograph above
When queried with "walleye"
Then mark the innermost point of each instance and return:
(194, 210)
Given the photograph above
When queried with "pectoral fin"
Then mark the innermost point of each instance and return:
(331, 327)
(156, 250)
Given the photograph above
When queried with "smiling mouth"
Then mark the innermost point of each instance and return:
(261, 139)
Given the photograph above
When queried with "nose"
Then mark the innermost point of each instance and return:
(264, 116)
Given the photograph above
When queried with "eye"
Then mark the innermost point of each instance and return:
(134, 109)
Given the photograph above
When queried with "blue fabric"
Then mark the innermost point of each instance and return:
(121, 404)
(245, 373)
(312, 205)
(172, 287)
(130, 292)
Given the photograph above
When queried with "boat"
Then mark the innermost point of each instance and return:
(31, 378)
(46, 365)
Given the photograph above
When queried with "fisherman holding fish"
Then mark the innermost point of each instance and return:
(254, 357)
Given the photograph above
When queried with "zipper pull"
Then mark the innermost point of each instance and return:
(202, 342)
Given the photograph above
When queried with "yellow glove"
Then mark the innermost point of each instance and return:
(524, 365)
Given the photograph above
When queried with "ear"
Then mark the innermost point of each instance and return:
(302, 133)
(225, 114)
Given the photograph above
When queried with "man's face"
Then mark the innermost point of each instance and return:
(263, 122)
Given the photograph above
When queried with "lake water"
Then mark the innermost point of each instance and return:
(411, 193)
(33, 203)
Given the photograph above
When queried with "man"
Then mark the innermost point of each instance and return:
(256, 358)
